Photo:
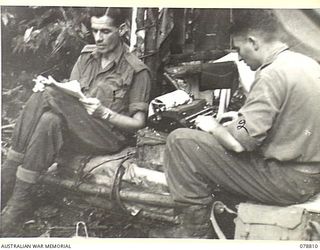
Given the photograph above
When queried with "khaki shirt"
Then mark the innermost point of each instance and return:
(123, 86)
(281, 117)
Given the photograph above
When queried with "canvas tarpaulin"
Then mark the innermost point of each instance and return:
(303, 28)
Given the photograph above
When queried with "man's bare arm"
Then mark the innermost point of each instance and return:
(211, 125)
(137, 121)
(226, 139)
(96, 109)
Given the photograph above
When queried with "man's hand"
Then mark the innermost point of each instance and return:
(228, 117)
(212, 126)
(206, 123)
(41, 82)
(95, 108)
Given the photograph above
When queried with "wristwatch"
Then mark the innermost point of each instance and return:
(106, 115)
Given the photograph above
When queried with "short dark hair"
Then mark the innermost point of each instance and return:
(118, 15)
(262, 21)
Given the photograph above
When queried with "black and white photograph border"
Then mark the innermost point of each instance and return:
(191, 68)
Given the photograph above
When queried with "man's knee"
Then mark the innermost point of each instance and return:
(27, 175)
(178, 134)
(183, 135)
(49, 119)
(52, 91)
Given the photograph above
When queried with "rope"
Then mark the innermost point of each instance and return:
(314, 230)
(219, 207)
(128, 155)
(81, 176)
(116, 185)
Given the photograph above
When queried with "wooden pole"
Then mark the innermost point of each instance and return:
(141, 32)
(104, 190)
(155, 213)
(151, 53)
(133, 36)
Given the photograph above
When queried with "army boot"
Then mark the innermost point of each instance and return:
(194, 223)
(8, 179)
(18, 207)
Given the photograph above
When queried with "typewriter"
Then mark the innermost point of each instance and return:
(212, 76)
(182, 116)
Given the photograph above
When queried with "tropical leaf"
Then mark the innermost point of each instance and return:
(84, 30)
(27, 35)
(6, 17)
(60, 41)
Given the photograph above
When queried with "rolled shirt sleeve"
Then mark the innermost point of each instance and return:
(258, 114)
(140, 92)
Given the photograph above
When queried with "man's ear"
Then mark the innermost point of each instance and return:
(254, 42)
(123, 29)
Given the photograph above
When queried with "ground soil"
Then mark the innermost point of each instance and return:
(56, 214)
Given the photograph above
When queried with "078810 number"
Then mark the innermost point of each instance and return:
(308, 245)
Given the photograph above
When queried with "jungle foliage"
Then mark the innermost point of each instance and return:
(37, 40)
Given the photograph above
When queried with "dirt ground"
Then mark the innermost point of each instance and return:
(56, 215)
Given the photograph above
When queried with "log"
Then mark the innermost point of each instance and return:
(155, 213)
(143, 197)
(138, 173)
(161, 217)
(148, 198)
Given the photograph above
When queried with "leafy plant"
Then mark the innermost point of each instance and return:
(52, 36)
(55, 29)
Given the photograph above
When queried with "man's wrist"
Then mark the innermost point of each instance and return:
(106, 115)
(213, 130)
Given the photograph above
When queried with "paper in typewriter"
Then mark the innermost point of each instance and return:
(170, 100)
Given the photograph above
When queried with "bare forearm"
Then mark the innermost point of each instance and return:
(94, 108)
(212, 126)
(226, 139)
(126, 122)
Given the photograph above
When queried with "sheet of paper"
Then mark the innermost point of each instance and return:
(170, 100)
